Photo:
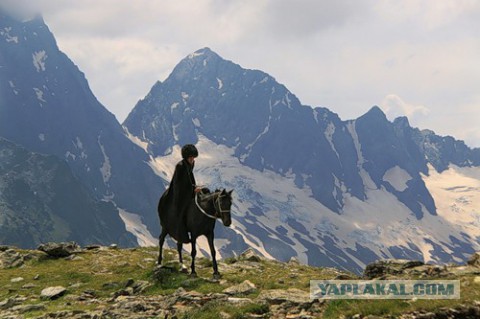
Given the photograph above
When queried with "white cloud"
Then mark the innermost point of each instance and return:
(394, 107)
(346, 55)
(20, 9)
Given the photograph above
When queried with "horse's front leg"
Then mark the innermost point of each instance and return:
(216, 274)
(180, 257)
(193, 254)
(160, 243)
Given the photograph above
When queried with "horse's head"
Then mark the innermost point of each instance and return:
(223, 204)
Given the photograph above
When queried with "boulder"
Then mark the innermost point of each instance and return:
(250, 255)
(244, 288)
(292, 295)
(52, 293)
(384, 267)
(11, 259)
(60, 250)
(474, 260)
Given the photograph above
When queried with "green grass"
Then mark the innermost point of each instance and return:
(107, 271)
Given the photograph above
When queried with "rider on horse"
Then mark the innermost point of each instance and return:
(182, 189)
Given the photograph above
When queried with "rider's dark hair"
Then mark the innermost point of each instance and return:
(189, 150)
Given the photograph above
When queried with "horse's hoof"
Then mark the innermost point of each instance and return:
(217, 276)
(193, 275)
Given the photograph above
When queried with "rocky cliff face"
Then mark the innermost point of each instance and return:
(41, 200)
(46, 106)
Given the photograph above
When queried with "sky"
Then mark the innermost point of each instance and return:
(414, 58)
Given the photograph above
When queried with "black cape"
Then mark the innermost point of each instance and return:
(175, 200)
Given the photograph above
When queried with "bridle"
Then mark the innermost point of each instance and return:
(216, 205)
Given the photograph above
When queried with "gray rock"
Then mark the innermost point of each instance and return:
(52, 293)
(29, 286)
(244, 288)
(389, 267)
(474, 260)
(140, 286)
(60, 250)
(292, 295)
(10, 259)
(28, 308)
(239, 301)
(250, 255)
(7, 303)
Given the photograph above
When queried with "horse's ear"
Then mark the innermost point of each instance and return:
(230, 193)
(224, 192)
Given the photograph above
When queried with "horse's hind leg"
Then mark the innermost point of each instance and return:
(180, 257)
(216, 274)
(161, 240)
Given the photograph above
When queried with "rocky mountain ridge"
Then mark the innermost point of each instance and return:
(46, 106)
(41, 200)
(309, 184)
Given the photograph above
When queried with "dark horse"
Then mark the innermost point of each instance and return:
(201, 215)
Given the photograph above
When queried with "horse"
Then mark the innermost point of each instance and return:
(201, 215)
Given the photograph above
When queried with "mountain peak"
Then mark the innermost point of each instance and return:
(196, 63)
(204, 51)
(202, 56)
(374, 113)
(376, 110)
(401, 121)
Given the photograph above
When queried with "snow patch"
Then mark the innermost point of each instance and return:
(289, 101)
(329, 131)
(367, 180)
(136, 140)
(185, 97)
(220, 84)
(195, 54)
(106, 168)
(6, 34)
(39, 94)
(397, 177)
(41, 137)
(196, 122)
(12, 86)
(39, 59)
(69, 154)
(134, 225)
(456, 192)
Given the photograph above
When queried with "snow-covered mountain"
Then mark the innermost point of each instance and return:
(46, 106)
(307, 184)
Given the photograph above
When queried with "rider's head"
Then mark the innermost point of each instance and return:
(189, 151)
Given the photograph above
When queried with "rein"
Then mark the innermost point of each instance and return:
(216, 206)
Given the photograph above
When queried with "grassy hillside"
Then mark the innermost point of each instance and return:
(106, 282)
